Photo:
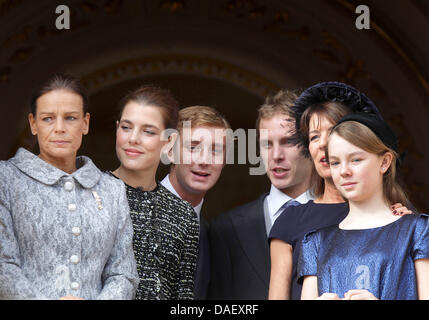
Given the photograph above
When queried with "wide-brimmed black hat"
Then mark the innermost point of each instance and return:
(325, 92)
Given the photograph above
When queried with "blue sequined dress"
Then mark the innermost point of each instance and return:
(380, 260)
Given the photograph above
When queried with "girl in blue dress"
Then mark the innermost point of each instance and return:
(371, 254)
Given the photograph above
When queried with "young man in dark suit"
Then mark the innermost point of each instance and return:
(240, 258)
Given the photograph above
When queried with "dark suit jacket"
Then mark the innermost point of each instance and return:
(202, 272)
(239, 251)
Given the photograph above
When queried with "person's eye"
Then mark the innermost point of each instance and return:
(71, 118)
(47, 119)
(194, 148)
(334, 163)
(313, 138)
(125, 128)
(148, 132)
(265, 144)
(286, 142)
(357, 160)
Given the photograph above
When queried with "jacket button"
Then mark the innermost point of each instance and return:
(72, 207)
(74, 285)
(76, 231)
(74, 259)
(68, 186)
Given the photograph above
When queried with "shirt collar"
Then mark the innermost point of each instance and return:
(305, 197)
(87, 173)
(167, 184)
(198, 207)
(276, 199)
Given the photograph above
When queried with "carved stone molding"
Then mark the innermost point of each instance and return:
(178, 64)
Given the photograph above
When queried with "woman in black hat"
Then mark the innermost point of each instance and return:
(316, 111)
(371, 254)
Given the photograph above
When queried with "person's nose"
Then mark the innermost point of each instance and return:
(135, 137)
(59, 125)
(204, 156)
(278, 153)
(345, 170)
(323, 141)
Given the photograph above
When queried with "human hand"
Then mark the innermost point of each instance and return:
(399, 210)
(328, 296)
(359, 295)
(69, 297)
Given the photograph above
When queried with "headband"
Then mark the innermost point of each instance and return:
(379, 127)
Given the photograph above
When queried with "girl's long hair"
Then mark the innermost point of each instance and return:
(363, 137)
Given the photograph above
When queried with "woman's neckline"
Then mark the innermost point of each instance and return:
(136, 188)
(371, 228)
(328, 203)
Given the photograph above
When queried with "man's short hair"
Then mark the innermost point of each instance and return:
(281, 102)
(201, 116)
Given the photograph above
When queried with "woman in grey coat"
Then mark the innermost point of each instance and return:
(65, 229)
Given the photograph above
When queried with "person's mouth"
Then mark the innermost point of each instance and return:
(348, 185)
(200, 174)
(60, 142)
(324, 162)
(280, 172)
(133, 152)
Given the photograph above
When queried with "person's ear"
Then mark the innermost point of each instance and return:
(171, 143)
(32, 122)
(86, 118)
(386, 162)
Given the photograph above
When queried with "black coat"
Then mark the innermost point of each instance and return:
(202, 272)
(240, 257)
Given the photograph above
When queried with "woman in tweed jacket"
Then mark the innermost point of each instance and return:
(166, 229)
(65, 230)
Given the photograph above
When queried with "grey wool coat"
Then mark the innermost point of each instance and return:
(63, 234)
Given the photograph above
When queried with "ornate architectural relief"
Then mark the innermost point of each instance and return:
(178, 64)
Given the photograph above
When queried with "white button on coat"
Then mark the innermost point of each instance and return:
(74, 259)
(74, 285)
(68, 186)
(76, 231)
(72, 207)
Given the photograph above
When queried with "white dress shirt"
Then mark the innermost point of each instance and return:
(275, 200)
(167, 184)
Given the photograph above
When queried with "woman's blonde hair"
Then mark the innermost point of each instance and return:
(364, 138)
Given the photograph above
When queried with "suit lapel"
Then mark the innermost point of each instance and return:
(251, 232)
(203, 263)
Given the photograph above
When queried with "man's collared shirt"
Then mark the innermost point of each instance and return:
(275, 200)
(167, 184)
